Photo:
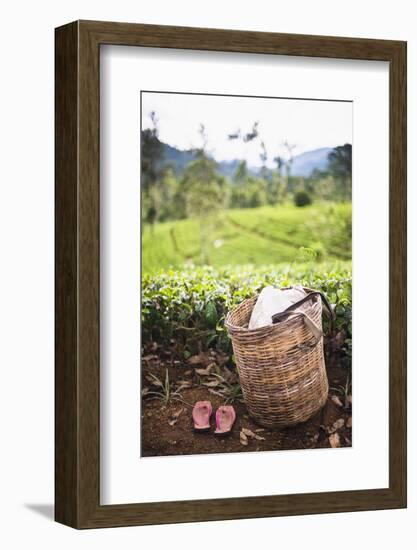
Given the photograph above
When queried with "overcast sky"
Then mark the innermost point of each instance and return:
(304, 123)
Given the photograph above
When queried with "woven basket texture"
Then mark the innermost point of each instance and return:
(281, 367)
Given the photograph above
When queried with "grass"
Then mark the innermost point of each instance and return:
(164, 392)
(269, 234)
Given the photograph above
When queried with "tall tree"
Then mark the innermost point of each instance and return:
(284, 162)
(241, 172)
(204, 191)
(280, 162)
(151, 155)
(340, 166)
(264, 158)
(289, 148)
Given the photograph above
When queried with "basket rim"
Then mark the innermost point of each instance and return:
(267, 328)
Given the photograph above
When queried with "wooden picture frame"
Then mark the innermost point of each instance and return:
(77, 374)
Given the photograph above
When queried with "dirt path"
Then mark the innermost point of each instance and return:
(167, 429)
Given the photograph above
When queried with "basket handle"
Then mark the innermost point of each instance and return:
(316, 331)
(283, 314)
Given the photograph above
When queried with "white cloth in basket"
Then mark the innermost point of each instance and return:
(271, 301)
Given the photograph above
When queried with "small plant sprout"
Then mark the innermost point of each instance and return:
(165, 393)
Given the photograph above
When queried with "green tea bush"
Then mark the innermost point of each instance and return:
(302, 198)
(184, 311)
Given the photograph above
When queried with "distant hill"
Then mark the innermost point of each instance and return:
(176, 159)
(303, 164)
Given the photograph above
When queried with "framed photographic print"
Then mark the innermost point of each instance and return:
(230, 274)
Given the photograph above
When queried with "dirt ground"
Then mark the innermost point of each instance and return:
(166, 424)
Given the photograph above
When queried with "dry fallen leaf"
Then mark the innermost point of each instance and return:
(243, 438)
(214, 392)
(174, 417)
(336, 401)
(212, 384)
(149, 357)
(349, 422)
(227, 374)
(334, 440)
(336, 426)
(221, 358)
(249, 433)
(145, 390)
(202, 372)
(184, 384)
(154, 381)
(206, 371)
(200, 359)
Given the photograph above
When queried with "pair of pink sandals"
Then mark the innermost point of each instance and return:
(225, 418)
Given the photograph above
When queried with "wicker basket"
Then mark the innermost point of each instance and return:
(281, 366)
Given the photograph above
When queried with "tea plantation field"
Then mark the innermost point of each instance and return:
(188, 307)
(257, 236)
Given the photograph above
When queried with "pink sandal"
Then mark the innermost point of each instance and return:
(201, 416)
(225, 418)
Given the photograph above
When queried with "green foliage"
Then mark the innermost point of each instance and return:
(203, 189)
(241, 172)
(164, 391)
(195, 188)
(151, 155)
(340, 166)
(211, 315)
(204, 194)
(185, 310)
(302, 198)
(252, 236)
(253, 192)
